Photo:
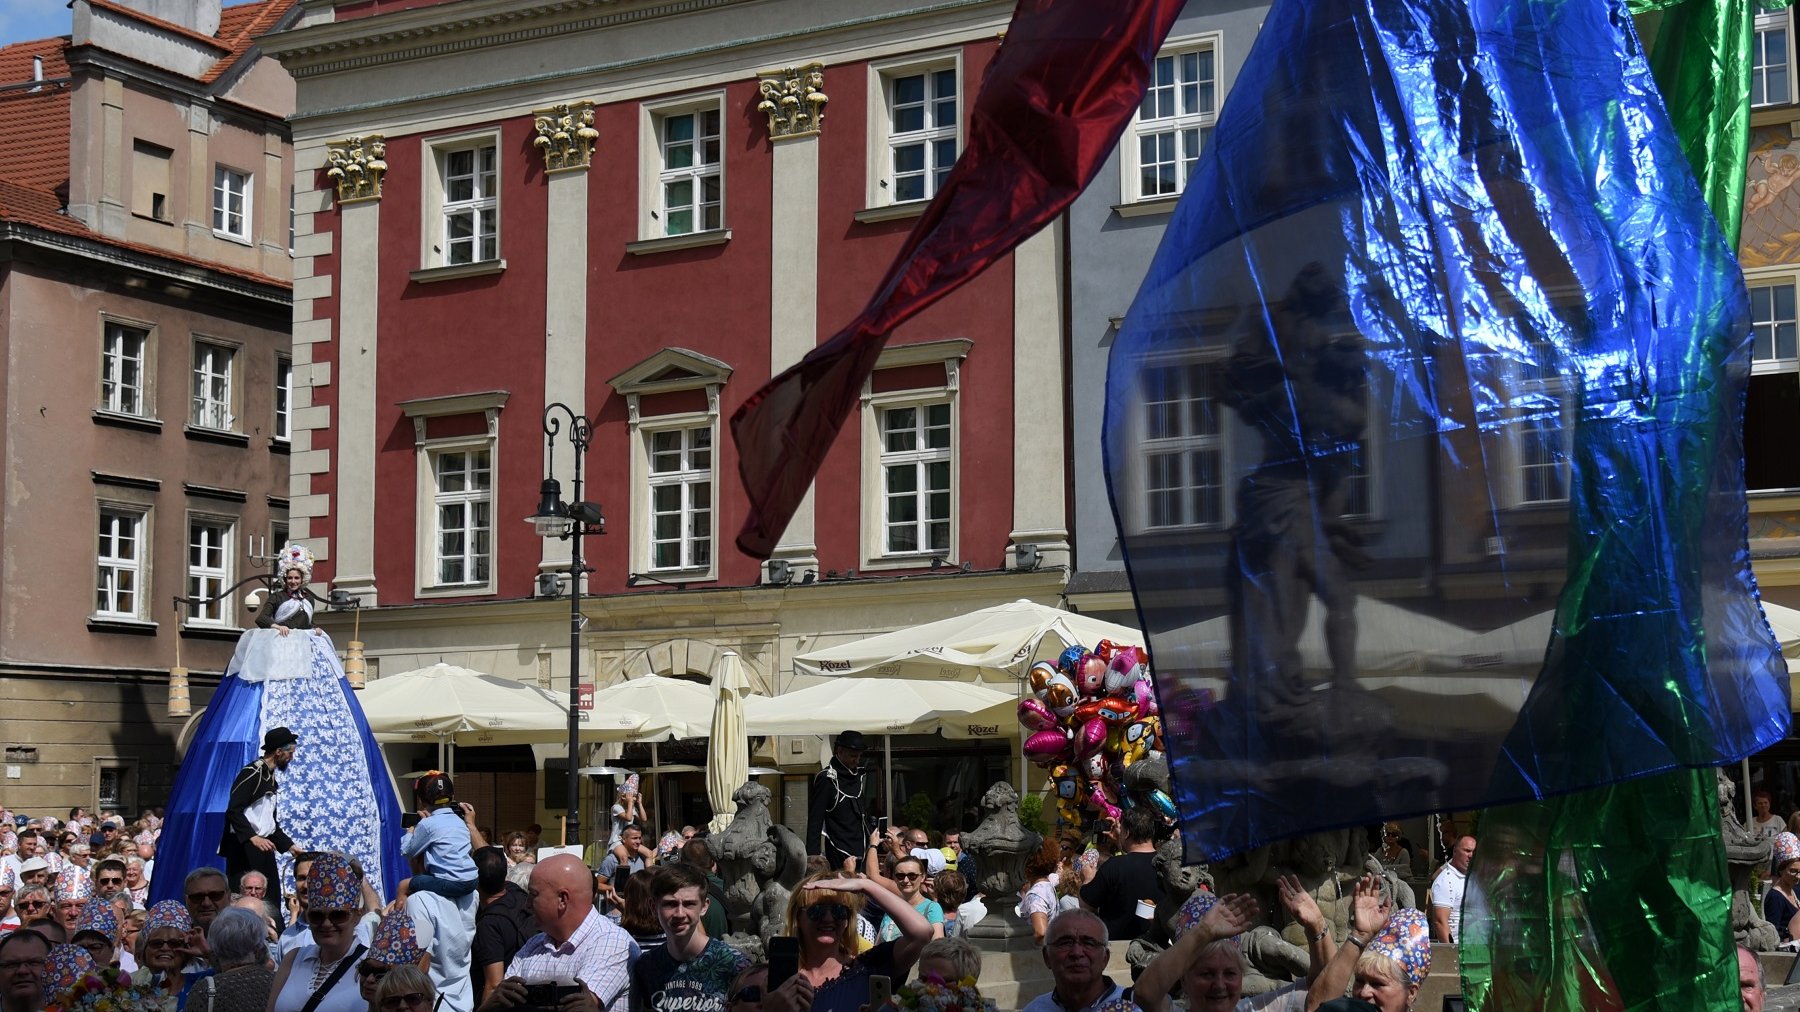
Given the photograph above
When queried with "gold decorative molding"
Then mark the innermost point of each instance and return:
(566, 135)
(794, 100)
(357, 166)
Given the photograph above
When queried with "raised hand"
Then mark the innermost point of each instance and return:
(1369, 909)
(1231, 916)
(1300, 905)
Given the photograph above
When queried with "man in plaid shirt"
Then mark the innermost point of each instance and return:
(577, 944)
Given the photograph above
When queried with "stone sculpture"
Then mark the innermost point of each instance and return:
(1744, 851)
(1000, 845)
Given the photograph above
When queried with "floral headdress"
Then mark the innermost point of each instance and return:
(169, 914)
(73, 884)
(1787, 847)
(934, 994)
(1407, 941)
(68, 965)
(98, 916)
(296, 556)
(102, 990)
(333, 884)
(1197, 907)
(395, 943)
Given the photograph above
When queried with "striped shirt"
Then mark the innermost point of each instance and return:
(599, 954)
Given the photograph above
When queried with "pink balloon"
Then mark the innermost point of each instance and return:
(1118, 670)
(1089, 738)
(1048, 746)
(1098, 800)
(1035, 716)
(1145, 693)
(1090, 676)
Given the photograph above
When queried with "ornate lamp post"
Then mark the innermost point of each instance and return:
(569, 521)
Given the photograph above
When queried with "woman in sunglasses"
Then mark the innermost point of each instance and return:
(909, 880)
(322, 976)
(405, 989)
(394, 947)
(822, 913)
(162, 951)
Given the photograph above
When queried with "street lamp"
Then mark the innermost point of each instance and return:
(570, 522)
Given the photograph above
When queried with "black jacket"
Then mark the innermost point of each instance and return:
(302, 619)
(835, 809)
(501, 929)
(253, 782)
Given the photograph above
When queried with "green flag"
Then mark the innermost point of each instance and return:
(1619, 898)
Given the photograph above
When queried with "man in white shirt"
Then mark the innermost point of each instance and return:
(1075, 950)
(1447, 892)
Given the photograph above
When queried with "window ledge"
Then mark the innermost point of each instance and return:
(890, 562)
(281, 446)
(891, 212)
(1141, 208)
(139, 215)
(241, 240)
(456, 590)
(130, 626)
(211, 632)
(125, 421)
(481, 268)
(671, 243)
(222, 436)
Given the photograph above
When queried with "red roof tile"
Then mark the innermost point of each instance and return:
(241, 26)
(167, 26)
(35, 121)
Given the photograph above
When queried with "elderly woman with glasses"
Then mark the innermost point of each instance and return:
(404, 989)
(822, 913)
(326, 969)
(163, 949)
(395, 946)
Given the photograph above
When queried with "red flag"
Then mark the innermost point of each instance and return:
(1053, 104)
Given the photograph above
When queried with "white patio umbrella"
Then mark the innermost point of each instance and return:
(1389, 639)
(728, 761)
(890, 706)
(457, 706)
(996, 644)
(674, 707)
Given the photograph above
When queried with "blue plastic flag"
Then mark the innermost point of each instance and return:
(1424, 431)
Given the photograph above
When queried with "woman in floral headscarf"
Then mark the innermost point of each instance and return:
(395, 945)
(163, 948)
(325, 970)
(1388, 953)
(1782, 904)
(334, 791)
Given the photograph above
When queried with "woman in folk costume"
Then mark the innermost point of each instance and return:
(334, 794)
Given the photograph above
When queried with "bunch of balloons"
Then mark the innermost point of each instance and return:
(1091, 715)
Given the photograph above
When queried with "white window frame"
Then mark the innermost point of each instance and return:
(435, 250)
(1525, 386)
(209, 533)
(1772, 364)
(883, 139)
(113, 358)
(950, 354)
(685, 479)
(1183, 446)
(229, 186)
(1767, 22)
(487, 404)
(669, 371)
(655, 174)
(207, 408)
(919, 461)
(468, 498)
(284, 398)
(108, 565)
(1131, 161)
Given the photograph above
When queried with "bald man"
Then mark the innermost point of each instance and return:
(576, 943)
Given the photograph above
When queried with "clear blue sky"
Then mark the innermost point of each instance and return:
(37, 19)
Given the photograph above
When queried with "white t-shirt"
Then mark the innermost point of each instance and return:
(1447, 891)
(1770, 828)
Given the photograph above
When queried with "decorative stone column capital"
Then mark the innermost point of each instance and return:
(565, 135)
(794, 100)
(356, 165)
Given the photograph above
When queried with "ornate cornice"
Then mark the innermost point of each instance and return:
(794, 100)
(356, 166)
(565, 135)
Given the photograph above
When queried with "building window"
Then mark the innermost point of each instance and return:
(1541, 429)
(150, 181)
(692, 179)
(1769, 60)
(278, 536)
(1772, 408)
(208, 571)
(284, 398)
(922, 117)
(122, 351)
(471, 204)
(118, 589)
(681, 497)
(1183, 445)
(115, 783)
(1173, 124)
(463, 502)
(231, 203)
(212, 387)
(915, 484)
(293, 221)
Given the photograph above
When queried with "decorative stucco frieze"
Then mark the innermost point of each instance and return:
(565, 135)
(794, 100)
(356, 166)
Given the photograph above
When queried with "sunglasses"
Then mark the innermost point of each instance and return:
(817, 912)
(749, 993)
(214, 896)
(907, 876)
(33, 904)
(164, 943)
(109, 881)
(373, 970)
(400, 1001)
(337, 917)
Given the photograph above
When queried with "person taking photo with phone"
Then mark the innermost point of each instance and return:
(576, 943)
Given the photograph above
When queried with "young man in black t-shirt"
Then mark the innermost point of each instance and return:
(1127, 878)
(690, 971)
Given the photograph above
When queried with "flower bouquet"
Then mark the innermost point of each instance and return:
(934, 994)
(108, 990)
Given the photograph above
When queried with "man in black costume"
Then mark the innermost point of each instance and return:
(253, 834)
(836, 825)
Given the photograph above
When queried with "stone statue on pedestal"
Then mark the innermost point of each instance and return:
(1744, 850)
(761, 861)
(1000, 845)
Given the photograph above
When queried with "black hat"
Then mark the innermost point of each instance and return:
(277, 739)
(851, 740)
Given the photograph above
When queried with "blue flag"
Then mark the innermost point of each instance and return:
(1423, 433)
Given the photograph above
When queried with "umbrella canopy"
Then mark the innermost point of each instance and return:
(995, 644)
(1389, 639)
(444, 702)
(675, 708)
(1521, 645)
(890, 706)
(728, 762)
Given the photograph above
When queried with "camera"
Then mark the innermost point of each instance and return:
(547, 997)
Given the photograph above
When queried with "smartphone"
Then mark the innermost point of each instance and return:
(409, 820)
(784, 959)
(880, 990)
(881, 824)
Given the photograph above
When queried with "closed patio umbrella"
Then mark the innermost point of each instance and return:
(728, 758)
